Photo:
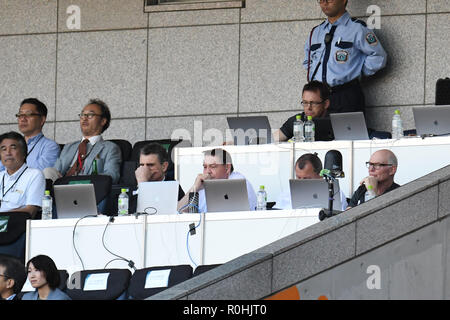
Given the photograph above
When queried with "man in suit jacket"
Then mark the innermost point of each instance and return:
(153, 164)
(94, 120)
(12, 277)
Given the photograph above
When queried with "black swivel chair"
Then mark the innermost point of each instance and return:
(137, 290)
(203, 268)
(116, 286)
(13, 234)
(125, 148)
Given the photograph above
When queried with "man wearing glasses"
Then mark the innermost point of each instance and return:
(42, 151)
(77, 158)
(382, 168)
(338, 52)
(12, 277)
(315, 102)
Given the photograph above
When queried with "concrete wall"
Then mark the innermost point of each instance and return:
(161, 71)
(404, 235)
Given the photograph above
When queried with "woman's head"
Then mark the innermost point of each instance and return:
(42, 271)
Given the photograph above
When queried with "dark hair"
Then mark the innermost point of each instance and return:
(104, 110)
(222, 154)
(155, 148)
(47, 266)
(17, 137)
(40, 106)
(319, 87)
(14, 269)
(311, 158)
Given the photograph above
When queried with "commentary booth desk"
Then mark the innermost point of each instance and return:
(272, 165)
(161, 240)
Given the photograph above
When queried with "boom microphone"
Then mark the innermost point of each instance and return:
(333, 163)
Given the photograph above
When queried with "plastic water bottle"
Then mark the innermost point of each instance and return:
(397, 126)
(310, 129)
(47, 206)
(370, 193)
(261, 199)
(122, 204)
(298, 129)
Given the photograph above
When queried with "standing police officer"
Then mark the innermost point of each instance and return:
(338, 52)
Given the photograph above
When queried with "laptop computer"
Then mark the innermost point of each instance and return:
(349, 126)
(75, 200)
(250, 130)
(313, 193)
(225, 195)
(432, 120)
(157, 197)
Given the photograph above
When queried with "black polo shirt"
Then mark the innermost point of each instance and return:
(358, 195)
(324, 131)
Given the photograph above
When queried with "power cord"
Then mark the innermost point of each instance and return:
(191, 230)
(130, 262)
(73, 237)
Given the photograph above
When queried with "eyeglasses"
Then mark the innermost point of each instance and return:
(377, 166)
(26, 115)
(6, 277)
(311, 103)
(322, 1)
(89, 115)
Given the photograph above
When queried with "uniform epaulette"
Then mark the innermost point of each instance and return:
(359, 21)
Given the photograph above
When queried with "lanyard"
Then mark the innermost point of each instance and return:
(3, 183)
(34, 145)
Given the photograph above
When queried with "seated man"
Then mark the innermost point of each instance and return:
(12, 277)
(22, 187)
(42, 151)
(77, 157)
(315, 102)
(217, 164)
(382, 168)
(308, 166)
(153, 164)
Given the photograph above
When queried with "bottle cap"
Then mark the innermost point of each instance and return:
(298, 117)
(123, 190)
(47, 192)
(261, 187)
(397, 111)
(369, 187)
(309, 118)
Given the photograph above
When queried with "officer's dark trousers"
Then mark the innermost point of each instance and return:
(348, 97)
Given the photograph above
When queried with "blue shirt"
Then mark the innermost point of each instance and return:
(355, 50)
(42, 152)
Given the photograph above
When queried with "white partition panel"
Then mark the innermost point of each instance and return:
(230, 235)
(167, 243)
(56, 239)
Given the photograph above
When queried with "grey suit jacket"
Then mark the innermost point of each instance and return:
(107, 153)
(53, 295)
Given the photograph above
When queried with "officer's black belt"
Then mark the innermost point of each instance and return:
(344, 86)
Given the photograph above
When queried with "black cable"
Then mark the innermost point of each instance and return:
(112, 261)
(73, 237)
(130, 262)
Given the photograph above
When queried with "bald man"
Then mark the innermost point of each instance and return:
(382, 168)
